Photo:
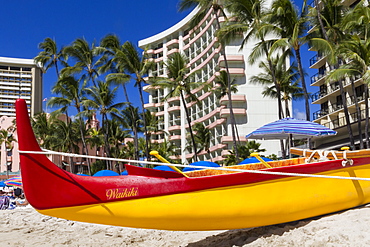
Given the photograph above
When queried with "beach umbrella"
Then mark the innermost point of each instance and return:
(14, 181)
(124, 173)
(200, 163)
(164, 168)
(290, 127)
(252, 160)
(105, 173)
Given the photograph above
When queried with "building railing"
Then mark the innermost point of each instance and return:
(315, 59)
(336, 106)
(317, 77)
(341, 121)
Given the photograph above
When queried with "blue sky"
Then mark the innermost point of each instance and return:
(24, 24)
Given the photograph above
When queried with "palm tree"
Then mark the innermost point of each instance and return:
(65, 139)
(137, 66)
(95, 138)
(114, 51)
(50, 56)
(358, 20)
(129, 118)
(217, 10)
(179, 84)
(251, 18)
(286, 78)
(6, 136)
(86, 60)
(202, 137)
(293, 27)
(166, 149)
(72, 94)
(116, 139)
(357, 52)
(102, 100)
(42, 125)
(331, 15)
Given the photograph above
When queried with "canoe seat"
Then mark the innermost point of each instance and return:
(253, 166)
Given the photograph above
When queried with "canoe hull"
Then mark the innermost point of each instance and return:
(234, 207)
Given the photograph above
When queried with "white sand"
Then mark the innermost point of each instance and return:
(26, 227)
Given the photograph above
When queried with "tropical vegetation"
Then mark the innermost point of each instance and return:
(89, 76)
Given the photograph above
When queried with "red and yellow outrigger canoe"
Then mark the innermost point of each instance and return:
(204, 200)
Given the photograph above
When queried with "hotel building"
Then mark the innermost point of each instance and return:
(19, 78)
(205, 55)
(331, 113)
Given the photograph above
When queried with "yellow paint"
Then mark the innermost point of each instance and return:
(160, 158)
(265, 203)
(260, 159)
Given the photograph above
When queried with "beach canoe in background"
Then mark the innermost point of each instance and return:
(208, 199)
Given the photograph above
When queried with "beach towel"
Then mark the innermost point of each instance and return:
(4, 202)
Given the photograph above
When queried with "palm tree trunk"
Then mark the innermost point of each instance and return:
(277, 85)
(106, 143)
(304, 87)
(358, 110)
(320, 20)
(230, 105)
(346, 115)
(366, 87)
(190, 129)
(84, 143)
(136, 145)
(144, 119)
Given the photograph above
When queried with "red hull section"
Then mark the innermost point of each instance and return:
(47, 186)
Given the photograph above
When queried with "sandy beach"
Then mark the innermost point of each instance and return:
(26, 227)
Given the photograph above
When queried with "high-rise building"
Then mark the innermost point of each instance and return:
(19, 78)
(205, 55)
(331, 113)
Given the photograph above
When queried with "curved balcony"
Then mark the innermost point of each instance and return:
(158, 50)
(218, 158)
(230, 58)
(224, 153)
(172, 51)
(234, 98)
(204, 29)
(157, 141)
(202, 97)
(229, 139)
(217, 50)
(174, 108)
(150, 51)
(216, 123)
(206, 117)
(216, 147)
(175, 137)
(237, 111)
(150, 105)
(160, 113)
(173, 99)
(210, 45)
(172, 42)
(174, 127)
(236, 71)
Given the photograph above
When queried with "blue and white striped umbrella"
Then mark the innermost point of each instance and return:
(283, 128)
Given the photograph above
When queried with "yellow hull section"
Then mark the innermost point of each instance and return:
(252, 205)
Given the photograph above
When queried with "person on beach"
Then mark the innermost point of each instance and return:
(4, 200)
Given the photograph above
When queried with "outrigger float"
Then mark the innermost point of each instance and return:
(234, 197)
